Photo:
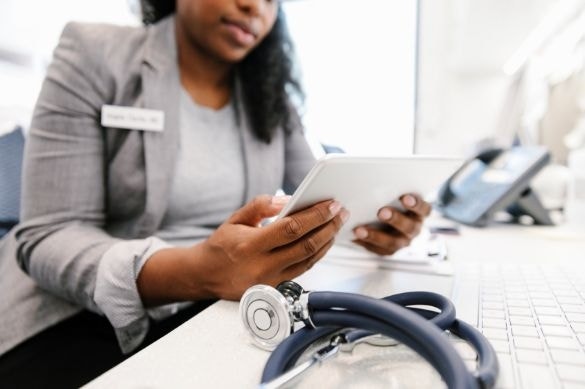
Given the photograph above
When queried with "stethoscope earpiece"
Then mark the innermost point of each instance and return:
(266, 315)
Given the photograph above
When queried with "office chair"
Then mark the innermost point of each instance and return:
(11, 151)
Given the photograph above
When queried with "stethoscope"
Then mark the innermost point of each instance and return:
(270, 315)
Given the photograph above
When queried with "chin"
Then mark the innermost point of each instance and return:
(233, 56)
(230, 53)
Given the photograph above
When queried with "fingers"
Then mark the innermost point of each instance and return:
(415, 204)
(380, 242)
(406, 224)
(312, 243)
(299, 268)
(259, 208)
(293, 227)
(399, 227)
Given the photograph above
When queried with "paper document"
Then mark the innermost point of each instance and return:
(426, 254)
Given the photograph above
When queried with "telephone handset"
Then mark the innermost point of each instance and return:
(495, 180)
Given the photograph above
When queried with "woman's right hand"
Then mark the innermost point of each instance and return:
(241, 253)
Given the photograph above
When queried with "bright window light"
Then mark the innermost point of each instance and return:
(358, 62)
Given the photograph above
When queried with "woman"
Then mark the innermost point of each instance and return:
(131, 223)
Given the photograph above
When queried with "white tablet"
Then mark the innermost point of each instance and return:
(365, 184)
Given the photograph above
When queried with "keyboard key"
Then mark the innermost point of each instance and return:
(552, 320)
(492, 305)
(536, 376)
(578, 327)
(569, 300)
(573, 308)
(529, 331)
(501, 346)
(494, 323)
(495, 333)
(527, 343)
(495, 293)
(547, 311)
(567, 293)
(556, 331)
(544, 303)
(540, 295)
(521, 320)
(514, 280)
(560, 284)
(531, 356)
(523, 303)
(491, 313)
(571, 373)
(492, 287)
(576, 317)
(492, 297)
(581, 338)
(517, 311)
(516, 296)
(514, 288)
(538, 288)
(565, 343)
(566, 356)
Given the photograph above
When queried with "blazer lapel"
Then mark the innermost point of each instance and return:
(262, 161)
(161, 88)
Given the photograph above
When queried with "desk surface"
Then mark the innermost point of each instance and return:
(213, 350)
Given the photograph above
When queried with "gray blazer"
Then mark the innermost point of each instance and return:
(86, 187)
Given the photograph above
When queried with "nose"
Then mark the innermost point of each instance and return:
(253, 7)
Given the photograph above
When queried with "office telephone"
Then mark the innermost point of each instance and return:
(495, 180)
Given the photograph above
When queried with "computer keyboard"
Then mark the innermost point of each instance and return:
(534, 316)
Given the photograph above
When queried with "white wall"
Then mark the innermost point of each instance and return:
(462, 88)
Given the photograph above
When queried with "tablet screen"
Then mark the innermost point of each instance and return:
(365, 184)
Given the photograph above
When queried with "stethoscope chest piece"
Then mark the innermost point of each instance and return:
(264, 312)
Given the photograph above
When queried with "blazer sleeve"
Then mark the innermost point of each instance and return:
(61, 236)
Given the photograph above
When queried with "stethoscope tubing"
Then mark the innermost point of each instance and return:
(332, 311)
(440, 354)
(290, 350)
(488, 367)
(393, 320)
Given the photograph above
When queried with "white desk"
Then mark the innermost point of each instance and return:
(212, 350)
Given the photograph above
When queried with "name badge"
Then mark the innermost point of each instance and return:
(133, 118)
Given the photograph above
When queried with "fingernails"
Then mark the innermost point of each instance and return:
(361, 233)
(385, 214)
(335, 207)
(344, 215)
(409, 201)
(280, 200)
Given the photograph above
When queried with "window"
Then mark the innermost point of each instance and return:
(29, 31)
(358, 63)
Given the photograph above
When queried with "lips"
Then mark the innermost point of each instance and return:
(241, 32)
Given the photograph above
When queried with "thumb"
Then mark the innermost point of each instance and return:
(259, 208)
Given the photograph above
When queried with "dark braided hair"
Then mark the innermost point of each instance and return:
(266, 74)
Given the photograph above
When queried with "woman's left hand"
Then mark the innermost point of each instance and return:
(397, 228)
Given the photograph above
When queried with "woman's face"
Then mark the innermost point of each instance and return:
(226, 29)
